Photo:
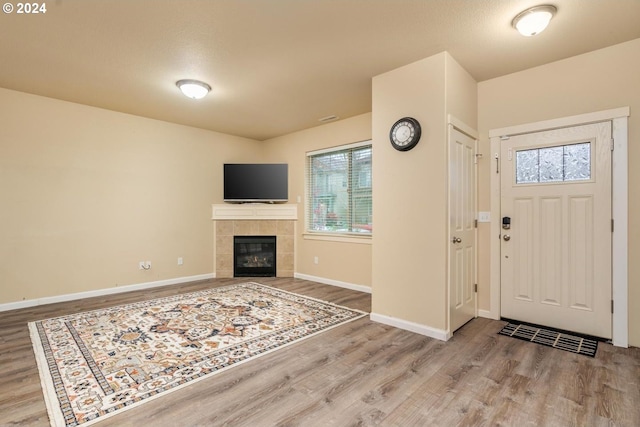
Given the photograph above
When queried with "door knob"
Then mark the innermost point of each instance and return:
(456, 240)
(506, 237)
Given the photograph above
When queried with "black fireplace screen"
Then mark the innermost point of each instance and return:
(254, 256)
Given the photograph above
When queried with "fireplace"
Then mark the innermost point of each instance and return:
(254, 256)
(254, 220)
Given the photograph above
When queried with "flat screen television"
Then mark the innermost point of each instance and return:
(256, 182)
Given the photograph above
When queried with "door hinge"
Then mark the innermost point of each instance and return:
(475, 288)
(475, 223)
(613, 145)
(612, 225)
(611, 306)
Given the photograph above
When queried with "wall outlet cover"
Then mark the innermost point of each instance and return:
(484, 216)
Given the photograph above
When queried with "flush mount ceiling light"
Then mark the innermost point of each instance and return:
(194, 89)
(534, 20)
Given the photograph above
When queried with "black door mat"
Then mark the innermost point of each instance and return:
(551, 338)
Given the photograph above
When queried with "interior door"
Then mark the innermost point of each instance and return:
(462, 231)
(556, 228)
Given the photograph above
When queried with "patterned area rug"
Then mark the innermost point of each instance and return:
(551, 338)
(96, 364)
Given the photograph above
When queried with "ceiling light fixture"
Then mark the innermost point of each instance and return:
(534, 20)
(194, 89)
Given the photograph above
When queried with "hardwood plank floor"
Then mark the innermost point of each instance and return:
(359, 374)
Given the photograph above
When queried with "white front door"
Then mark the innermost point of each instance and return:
(462, 232)
(556, 228)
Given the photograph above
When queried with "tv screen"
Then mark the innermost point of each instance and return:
(256, 182)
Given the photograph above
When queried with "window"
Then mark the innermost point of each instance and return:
(339, 190)
(554, 164)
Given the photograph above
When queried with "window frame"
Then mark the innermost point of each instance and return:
(352, 178)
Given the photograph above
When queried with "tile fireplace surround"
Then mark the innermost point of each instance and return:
(254, 220)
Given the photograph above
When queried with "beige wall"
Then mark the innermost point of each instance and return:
(87, 193)
(595, 81)
(343, 261)
(461, 93)
(410, 188)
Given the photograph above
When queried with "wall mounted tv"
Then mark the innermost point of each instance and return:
(256, 182)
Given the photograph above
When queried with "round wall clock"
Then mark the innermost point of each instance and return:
(405, 134)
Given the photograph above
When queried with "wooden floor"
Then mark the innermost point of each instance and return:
(359, 374)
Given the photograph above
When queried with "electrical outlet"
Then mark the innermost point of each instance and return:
(148, 266)
(315, 260)
(180, 261)
(141, 265)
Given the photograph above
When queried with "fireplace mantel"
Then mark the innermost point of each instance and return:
(254, 211)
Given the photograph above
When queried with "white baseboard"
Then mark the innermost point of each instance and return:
(487, 314)
(352, 286)
(101, 292)
(428, 331)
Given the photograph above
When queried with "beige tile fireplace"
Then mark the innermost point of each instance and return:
(254, 220)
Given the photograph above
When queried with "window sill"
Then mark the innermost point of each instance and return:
(334, 237)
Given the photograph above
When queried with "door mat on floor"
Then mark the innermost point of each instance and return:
(551, 338)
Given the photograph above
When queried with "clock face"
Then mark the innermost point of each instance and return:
(405, 134)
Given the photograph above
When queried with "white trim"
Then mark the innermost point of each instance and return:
(620, 213)
(102, 292)
(620, 279)
(425, 330)
(352, 286)
(462, 127)
(254, 211)
(494, 233)
(563, 122)
(450, 129)
(343, 238)
(487, 314)
(339, 148)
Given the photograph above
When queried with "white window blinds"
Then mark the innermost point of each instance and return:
(339, 190)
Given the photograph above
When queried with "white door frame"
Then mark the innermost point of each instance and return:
(620, 279)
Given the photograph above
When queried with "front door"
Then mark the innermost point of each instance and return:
(556, 228)
(462, 236)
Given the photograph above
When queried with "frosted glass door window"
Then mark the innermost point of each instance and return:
(527, 170)
(551, 164)
(577, 162)
(554, 164)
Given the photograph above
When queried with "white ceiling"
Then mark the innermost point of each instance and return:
(277, 66)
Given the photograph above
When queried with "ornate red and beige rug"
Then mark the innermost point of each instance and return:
(99, 363)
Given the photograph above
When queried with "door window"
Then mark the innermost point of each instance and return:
(561, 163)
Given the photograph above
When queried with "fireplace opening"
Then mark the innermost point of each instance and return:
(254, 256)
